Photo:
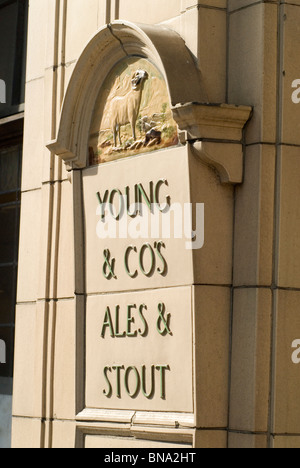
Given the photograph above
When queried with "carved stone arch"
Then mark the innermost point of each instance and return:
(111, 44)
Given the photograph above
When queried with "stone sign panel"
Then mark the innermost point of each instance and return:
(139, 350)
(140, 233)
(139, 223)
(139, 257)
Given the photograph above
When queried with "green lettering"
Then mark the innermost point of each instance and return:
(126, 258)
(134, 213)
(162, 370)
(152, 391)
(121, 204)
(130, 320)
(117, 334)
(108, 392)
(102, 202)
(142, 194)
(162, 271)
(137, 387)
(141, 260)
(118, 375)
(107, 323)
(156, 196)
(145, 331)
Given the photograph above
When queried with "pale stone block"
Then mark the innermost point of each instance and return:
(238, 4)
(286, 442)
(254, 224)
(33, 146)
(175, 24)
(213, 262)
(103, 13)
(212, 30)
(127, 335)
(247, 441)
(49, 160)
(53, 168)
(64, 357)
(45, 247)
(65, 263)
(28, 360)
(290, 18)
(69, 68)
(210, 439)
(250, 366)
(187, 4)
(81, 25)
(190, 32)
(64, 435)
(26, 433)
(159, 11)
(286, 410)
(56, 267)
(253, 67)
(289, 222)
(211, 329)
(100, 441)
(204, 30)
(53, 17)
(29, 246)
(36, 41)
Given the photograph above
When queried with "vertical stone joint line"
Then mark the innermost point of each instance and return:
(58, 85)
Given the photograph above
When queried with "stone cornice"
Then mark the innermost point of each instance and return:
(213, 121)
(215, 132)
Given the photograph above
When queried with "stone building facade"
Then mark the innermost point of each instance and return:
(218, 326)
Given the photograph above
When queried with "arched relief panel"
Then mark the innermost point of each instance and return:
(132, 113)
(114, 43)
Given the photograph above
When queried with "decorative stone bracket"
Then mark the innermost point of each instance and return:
(215, 132)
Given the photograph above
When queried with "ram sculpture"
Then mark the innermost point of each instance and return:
(125, 109)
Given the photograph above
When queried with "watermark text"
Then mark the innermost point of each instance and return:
(296, 353)
(174, 221)
(296, 93)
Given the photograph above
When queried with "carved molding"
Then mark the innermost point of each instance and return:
(114, 42)
(177, 427)
(137, 418)
(213, 121)
(225, 158)
(219, 131)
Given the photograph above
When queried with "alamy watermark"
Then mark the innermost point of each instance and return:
(155, 221)
(296, 353)
(2, 352)
(2, 92)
